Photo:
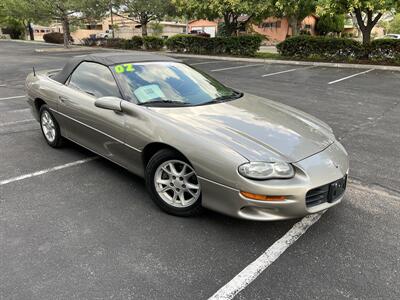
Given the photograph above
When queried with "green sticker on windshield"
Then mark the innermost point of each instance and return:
(124, 68)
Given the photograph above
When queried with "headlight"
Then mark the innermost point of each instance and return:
(266, 170)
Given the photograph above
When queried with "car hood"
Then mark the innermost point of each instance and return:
(257, 128)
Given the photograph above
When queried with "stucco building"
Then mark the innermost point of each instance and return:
(207, 26)
(277, 29)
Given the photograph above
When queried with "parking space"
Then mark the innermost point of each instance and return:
(76, 227)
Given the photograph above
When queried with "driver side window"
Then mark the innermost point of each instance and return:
(94, 79)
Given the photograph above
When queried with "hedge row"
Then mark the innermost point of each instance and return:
(246, 45)
(385, 49)
(135, 43)
(339, 48)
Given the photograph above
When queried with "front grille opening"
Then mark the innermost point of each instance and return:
(326, 193)
(317, 196)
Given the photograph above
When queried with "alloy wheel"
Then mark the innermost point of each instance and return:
(176, 183)
(48, 126)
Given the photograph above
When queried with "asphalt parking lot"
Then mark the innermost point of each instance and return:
(90, 231)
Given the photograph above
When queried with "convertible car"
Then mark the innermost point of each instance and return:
(197, 142)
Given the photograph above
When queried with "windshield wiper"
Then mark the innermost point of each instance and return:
(164, 101)
(234, 95)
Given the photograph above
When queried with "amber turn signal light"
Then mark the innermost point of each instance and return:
(262, 197)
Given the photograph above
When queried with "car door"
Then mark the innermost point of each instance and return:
(100, 130)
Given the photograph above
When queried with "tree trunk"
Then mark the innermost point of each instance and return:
(144, 29)
(294, 25)
(68, 31)
(366, 29)
(231, 25)
(65, 25)
(366, 35)
(31, 35)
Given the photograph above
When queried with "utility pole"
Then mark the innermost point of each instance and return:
(112, 21)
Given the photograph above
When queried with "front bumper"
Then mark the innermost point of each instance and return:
(315, 171)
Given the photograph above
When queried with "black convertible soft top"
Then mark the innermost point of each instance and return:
(108, 59)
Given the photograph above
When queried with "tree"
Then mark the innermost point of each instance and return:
(228, 10)
(21, 11)
(366, 12)
(62, 11)
(145, 11)
(295, 11)
(330, 24)
(157, 28)
(394, 25)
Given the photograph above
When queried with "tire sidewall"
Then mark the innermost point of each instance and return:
(158, 158)
(58, 138)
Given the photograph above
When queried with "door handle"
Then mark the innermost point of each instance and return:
(62, 98)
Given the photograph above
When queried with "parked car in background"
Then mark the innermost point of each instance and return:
(105, 35)
(395, 36)
(199, 33)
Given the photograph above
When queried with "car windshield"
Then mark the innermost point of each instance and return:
(169, 83)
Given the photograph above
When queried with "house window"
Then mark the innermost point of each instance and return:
(307, 26)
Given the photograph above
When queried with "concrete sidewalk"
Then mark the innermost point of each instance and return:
(288, 62)
(75, 48)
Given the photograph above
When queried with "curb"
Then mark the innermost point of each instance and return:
(70, 49)
(289, 62)
(28, 42)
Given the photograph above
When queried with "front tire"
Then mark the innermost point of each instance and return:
(50, 128)
(173, 184)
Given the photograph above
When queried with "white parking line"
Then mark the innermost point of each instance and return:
(16, 122)
(56, 168)
(347, 77)
(286, 71)
(237, 67)
(13, 97)
(251, 272)
(276, 73)
(204, 63)
(18, 110)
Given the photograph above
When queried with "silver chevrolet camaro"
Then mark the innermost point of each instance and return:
(196, 142)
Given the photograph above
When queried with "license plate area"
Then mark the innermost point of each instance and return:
(336, 189)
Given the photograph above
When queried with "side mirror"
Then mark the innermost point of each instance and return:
(112, 103)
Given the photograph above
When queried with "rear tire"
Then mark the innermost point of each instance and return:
(173, 184)
(50, 128)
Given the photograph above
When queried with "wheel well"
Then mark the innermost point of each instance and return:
(38, 104)
(153, 148)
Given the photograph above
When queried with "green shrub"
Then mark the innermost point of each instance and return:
(137, 42)
(325, 47)
(55, 38)
(330, 23)
(113, 43)
(191, 44)
(153, 43)
(246, 45)
(14, 28)
(385, 49)
(177, 43)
